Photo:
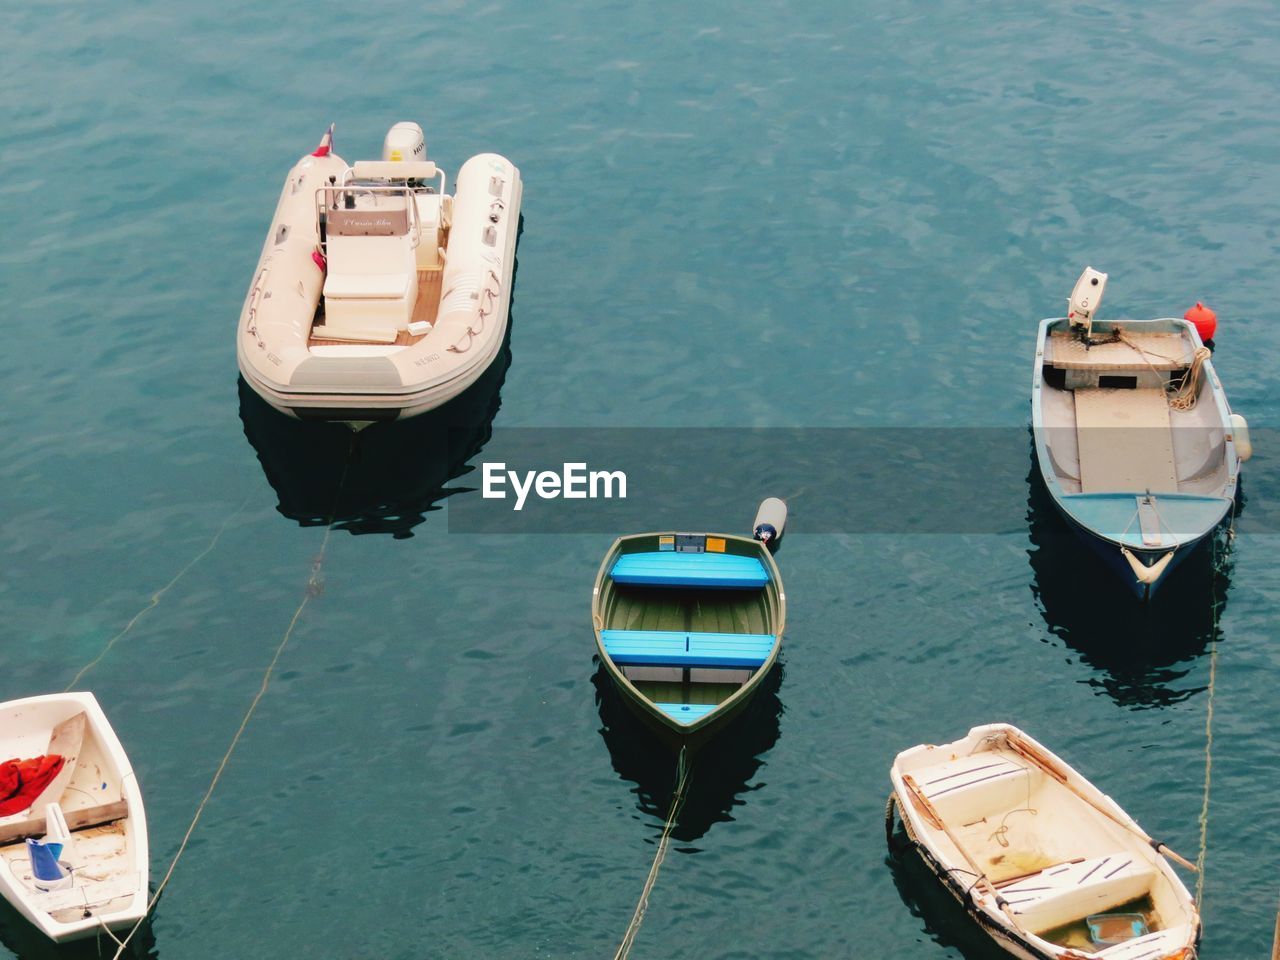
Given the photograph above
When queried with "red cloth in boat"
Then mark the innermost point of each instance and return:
(21, 781)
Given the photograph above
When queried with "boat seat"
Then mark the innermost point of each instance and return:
(87, 893)
(669, 568)
(372, 265)
(973, 787)
(683, 649)
(1072, 891)
(1159, 351)
(686, 712)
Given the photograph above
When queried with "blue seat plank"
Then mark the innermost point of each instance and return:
(671, 569)
(682, 649)
(686, 712)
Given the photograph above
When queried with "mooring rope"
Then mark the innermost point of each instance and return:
(683, 770)
(156, 598)
(313, 589)
(1218, 561)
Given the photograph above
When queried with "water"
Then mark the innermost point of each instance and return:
(805, 215)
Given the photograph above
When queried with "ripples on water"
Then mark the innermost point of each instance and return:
(815, 215)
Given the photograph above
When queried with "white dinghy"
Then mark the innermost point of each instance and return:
(378, 295)
(73, 840)
(1050, 866)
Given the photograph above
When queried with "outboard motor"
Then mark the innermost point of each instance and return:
(404, 141)
(1084, 301)
(771, 522)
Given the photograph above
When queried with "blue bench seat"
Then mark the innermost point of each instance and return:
(669, 568)
(681, 649)
(686, 712)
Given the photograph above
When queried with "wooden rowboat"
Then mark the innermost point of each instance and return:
(101, 877)
(1052, 868)
(687, 626)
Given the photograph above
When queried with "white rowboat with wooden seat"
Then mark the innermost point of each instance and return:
(1051, 867)
(1134, 437)
(104, 860)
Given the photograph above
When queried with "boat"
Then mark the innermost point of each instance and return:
(378, 295)
(1134, 437)
(73, 835)
(688, 625)
(1051, 867)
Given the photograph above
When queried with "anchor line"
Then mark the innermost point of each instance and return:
(156, 597)
(311, 591)
(683, 770)
(1219, 561)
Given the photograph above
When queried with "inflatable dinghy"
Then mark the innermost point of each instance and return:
(379, 295)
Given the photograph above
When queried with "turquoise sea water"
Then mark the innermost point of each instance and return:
(813, 215)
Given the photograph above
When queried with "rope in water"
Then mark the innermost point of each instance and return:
(156, 597)
(313, 589)
(642, 906)
(1219, 561)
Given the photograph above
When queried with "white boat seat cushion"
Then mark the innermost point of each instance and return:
(1072, 891)
(970, 788)
(376, 286)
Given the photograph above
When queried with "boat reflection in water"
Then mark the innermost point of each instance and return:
(387, 477)
(944, 920)
(1140, 651)
(22, 939)
(721, 769)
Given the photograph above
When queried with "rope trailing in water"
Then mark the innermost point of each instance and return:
(313, 589)
(155, 598)
(683, 770)
(1219, 560)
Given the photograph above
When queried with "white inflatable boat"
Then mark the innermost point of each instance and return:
(378, 295)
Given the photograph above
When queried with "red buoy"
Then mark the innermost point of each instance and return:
(1204, 320)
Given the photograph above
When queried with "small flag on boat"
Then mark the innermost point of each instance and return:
(326, 143)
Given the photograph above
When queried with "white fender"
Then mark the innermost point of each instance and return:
(771, 521)
(1240, 434)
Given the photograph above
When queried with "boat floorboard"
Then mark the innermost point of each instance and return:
(1125, 441)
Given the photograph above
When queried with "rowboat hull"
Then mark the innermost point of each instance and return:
(102, 805)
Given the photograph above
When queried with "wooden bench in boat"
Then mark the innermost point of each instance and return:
(669, 568)
(1160, 351)
(973, 787)
(86, 894)
(686, 712)
(76, 820)
(1072, 891)
(684, 649)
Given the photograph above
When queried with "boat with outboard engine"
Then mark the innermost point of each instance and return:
(1135, 440)
(688, 625)
(378, 295)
